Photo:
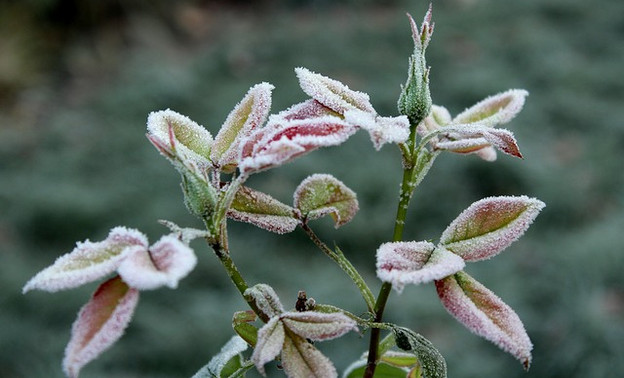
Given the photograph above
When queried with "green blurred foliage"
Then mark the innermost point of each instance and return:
(77, 80)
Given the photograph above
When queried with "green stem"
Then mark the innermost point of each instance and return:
(345, 265)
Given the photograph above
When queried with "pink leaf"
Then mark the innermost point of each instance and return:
(402, 263)
(322, 194)
(248, 115)
(332, 93)
(165, 264)
(100, 323)
(485, 314)
(494, 110)
(264, 211)
(270, 341)
(474, 137)
(318, 326)
(302, 359)
(306, 110)
(489, 226)
(88, 262)
(282, 140)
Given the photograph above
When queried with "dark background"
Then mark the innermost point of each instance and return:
(78, 78)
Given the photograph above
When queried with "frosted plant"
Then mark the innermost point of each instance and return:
(214, 171)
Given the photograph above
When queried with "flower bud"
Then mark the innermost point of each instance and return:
(199, 196)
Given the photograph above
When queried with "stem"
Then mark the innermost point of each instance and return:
(345, 265)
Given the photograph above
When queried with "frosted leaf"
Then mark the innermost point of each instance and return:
(302, 360)
(100, 323)
(332, 93)
(248, 115)
(282, 140)
(430, 360)
(473, 137)
(494, 110)
(184, 234)
(262, 210)
(485, 314)
(176, 135)
(266, 299)
(402, 263)
(357, 369)
(318, 326)
(165, 264)
(270, 341)
(438, 117)
(489, 226)
(399, 359)
(230, 350)
(382, 130)
(322, 194)
(88, 262)
(306, 110)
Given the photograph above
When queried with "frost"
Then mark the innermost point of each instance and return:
(231, 349)
(100, 323)
(282, 140)
(270, 342)
(494, 110)
(318, 326)
(322, 194)
(485, 314)
(382, 130)
(489, 226)
(301, 360)
(402, 263)
(88, 262)
(247, 116)
(474, 137)
(266, 299)
(332, 93)
(176, 135)
(164, 264)
(422, 36)
(264, 211)
(306, 110)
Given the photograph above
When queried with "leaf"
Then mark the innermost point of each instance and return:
(306, 110)
(164, 264)
(382, 130)
(100, 323)
(318, 326)
(399, 359)
(262, 210)
(226, 361)
(248, 115)
(431, 361)
(402, 263)
(494, 110)
(332, 93)
(88, 262)
(302, 359)
(271, 338)
(176, 135)
(265, 299)
(473, 137)
(383, 370)
(240, 323)
(485, 314)
(322, 194)
(282, 140)
(489, 226)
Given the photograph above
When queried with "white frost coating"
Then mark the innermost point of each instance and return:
(165, 264)
(485, 314)
(231, 349)
(302, 360)
(270, 342)
(382, 130)
(100, 323)
(266, 299)
(246, 116)
(280, 224)
(494, 110)
(181, 136)
(321, 194)
(490, 225)
(318, 326)
(332, 93)
(402, 263)
(306, 110)
(88, 262)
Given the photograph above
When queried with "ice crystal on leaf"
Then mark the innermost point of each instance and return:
(100, 323)
(382, 130)
(264, 211)
(494, 110)
(89, 261)
(266, 299)
(402, 263)
(221, 361)
(485, 314)
(489, 226)
(322, 194)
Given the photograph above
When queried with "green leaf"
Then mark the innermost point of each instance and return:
(241, 324)
(227, 362)
(383, 370)
(262, 210)
(322, 194)
(431, 361)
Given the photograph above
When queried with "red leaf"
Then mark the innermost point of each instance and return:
(100, 323)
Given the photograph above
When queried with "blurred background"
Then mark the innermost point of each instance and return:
(78, 78)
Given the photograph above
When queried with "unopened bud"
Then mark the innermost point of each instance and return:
(199, 196)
